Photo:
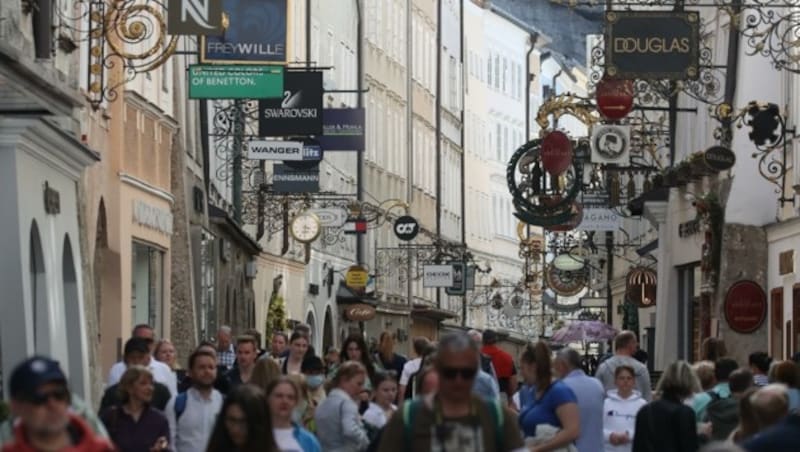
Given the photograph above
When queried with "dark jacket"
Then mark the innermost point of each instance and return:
(783, 437)
(161, 396)
(665, 426)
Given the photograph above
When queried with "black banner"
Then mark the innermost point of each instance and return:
(652, 45)
(298, 111)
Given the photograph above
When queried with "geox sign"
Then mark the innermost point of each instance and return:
(282, 150)
(194, 17)
(298, 112)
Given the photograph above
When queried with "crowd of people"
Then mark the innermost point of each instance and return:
(463, 393)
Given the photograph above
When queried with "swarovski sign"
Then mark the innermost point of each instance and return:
(194, 17)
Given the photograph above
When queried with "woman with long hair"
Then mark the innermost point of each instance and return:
(339, 426)
(548, 409)
(386, 356)
(620, 409)
(283, 395)
(355, 349)
(667, 424)
(298, 346)
(382, 406)
(134, 425)
(244, 423)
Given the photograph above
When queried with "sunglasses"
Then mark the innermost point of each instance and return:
(466, 373)
(41, 398)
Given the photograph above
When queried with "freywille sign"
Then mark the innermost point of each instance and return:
(298, 112)
(652, 44)
(256, 34)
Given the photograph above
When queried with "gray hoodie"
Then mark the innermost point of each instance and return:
(605, 373)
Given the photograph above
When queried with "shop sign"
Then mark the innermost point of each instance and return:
(689, 228)
(568, 262)
(437, 276)
(596, 199)
(459, 286)
(600, 219)
(287, 180)
(575, 219)
(614, 98)
(194, 17)
(342, 129)
(652, 45)
(298, 112)
(359, 312)
(255, 34)
(330, 217)
(406, 228)
(745, 307)
(611, 144)
(235, 82)
(356, 278)
(786, 262)
(274, 150)
(152, 217)
(719, 158)
(565, 283)
(556, 152)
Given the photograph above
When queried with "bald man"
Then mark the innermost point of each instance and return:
(780, 431)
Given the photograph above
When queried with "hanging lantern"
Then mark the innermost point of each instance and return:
(641, 287)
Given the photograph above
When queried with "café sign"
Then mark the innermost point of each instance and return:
(745, 307)
(359, 312)
(652, 45)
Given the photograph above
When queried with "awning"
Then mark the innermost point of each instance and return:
(240, 236)
(432, 313)
(345, 295)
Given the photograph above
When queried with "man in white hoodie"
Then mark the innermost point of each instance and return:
(619, 411)
(625, 345)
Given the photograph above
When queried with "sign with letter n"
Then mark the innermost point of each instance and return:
(194, 17)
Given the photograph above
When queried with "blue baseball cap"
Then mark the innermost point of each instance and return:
(31, 374)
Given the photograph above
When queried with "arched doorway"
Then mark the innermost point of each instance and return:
(327, 331)
(72, 311)
(312, 324)
(37, 275)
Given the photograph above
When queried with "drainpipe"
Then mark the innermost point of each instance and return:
(463, 154)
(409, 136)
(360, 103)
(438, 133)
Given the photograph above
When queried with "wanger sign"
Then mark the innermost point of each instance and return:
(652, 44)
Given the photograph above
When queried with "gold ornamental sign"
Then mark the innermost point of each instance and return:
(359, 312)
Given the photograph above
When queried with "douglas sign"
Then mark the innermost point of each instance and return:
(652, 44)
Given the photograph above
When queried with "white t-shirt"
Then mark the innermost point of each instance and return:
(285, 439)
(409, 369)
(375, 415)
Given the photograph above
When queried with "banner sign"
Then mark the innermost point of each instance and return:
(235, 82)
(437, 276)
(596, 199)
(652, 45)
(194, 17)
(611, 144)
(282, 150)
(342, 129)
(595, 219)
(459, 286)
(287, 180)
(256, 34)
(298, 112)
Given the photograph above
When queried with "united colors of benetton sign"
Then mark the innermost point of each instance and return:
(652, 44)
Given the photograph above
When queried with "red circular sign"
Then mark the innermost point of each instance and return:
(614, 97)
(745, 306)
(556, 152)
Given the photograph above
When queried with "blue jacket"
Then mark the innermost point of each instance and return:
(782, 437)
(306, 439)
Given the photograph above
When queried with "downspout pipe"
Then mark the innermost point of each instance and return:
(438, 133)
(360, 103)
(463, 151)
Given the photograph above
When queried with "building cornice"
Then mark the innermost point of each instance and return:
(135, 182)
(143, 104)
(783, 229)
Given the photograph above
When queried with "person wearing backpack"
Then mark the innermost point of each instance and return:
(723, 413)
(453, 419)
(722, 372)
(191, 414)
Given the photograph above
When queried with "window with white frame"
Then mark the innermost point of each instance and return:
(489, 70)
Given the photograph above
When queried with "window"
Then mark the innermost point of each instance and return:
(505, 143)
(489, 71)
(505, 75)
(496, 72)
(499, 149)
(147, 285)
(453, 81)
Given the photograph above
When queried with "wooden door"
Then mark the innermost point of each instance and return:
(776, 323)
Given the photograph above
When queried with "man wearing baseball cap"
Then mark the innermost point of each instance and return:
(40, 402)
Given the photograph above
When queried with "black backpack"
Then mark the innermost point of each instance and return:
(723, 413)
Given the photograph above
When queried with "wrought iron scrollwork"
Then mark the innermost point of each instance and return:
(771, 34)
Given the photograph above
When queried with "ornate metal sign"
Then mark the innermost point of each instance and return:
(641, 287)
(614, 98)
(719, 158)
(611, 144)
(565, 283)
(652, 44)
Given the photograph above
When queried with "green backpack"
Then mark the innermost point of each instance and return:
(411, 409)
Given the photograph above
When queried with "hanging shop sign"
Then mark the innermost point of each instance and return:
(614, 97)
(611, 144)
(359, 312)
(330, 217)
(568, 262)
(437, 276)
(459, 286)
(255, 34)
(556, 153)
(652, 44)
(298, 112)
(288, 180)
(575, 219)
(355, 225)
(565, 283)
(406, 228)
(600, 219)
(235, 82)
(719, 158)
(194, 17)
(342, 129)
(274, 150)
(745, 307)
(595, 199)
(641, 286)
(356, 278)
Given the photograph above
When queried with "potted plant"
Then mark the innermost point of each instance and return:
(697, 162)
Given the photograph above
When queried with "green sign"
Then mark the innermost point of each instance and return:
(235, 82)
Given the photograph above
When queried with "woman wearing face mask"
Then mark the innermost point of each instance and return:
(243, 423)
(314, 372)
(382, 407)
(298, 346)
(339, 426)
(283, 395)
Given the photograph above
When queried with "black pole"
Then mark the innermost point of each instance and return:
(360, 102)
(308, 33)
(238, 144)
(730, 71)
(609, 277)
(438, 133)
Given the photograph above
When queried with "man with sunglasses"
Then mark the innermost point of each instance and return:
(40, 402)
(454, 419)
(161, 372)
